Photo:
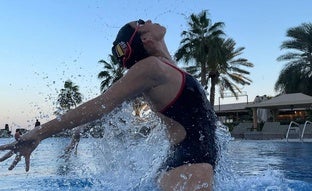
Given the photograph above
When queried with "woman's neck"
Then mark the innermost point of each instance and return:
(162, 52)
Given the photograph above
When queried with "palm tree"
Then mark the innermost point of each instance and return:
(111, 73)
(69, 96)
(215, 58)
(196, 44)
(296, 75)
(290, 80)
(227, 71)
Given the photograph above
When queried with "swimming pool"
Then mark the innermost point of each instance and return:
(125, 161)
(268, 165)
(246, 165)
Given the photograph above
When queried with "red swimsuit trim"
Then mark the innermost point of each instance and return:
(180, 91)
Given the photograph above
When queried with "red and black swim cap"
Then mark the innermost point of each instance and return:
(128, 46)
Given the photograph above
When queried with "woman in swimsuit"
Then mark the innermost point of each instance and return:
(173, 94)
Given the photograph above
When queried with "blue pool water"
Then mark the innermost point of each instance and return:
(252, 165)
(124, 161)
(268, 165)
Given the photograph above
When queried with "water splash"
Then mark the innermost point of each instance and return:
(124, 159)
(223, 170)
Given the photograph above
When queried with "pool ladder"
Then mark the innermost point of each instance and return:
(297, 129)
(304, 127)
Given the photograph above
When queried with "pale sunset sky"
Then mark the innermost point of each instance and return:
(44, 43)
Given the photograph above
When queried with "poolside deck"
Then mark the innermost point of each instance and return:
(270, 131)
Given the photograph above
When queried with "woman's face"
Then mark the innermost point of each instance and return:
(153, 30)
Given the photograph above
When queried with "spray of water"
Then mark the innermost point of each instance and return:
(131, 160)
(125, 158)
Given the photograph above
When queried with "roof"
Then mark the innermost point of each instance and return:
(294, 100)
(234, 107)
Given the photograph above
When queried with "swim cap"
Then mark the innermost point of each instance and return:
(128, 53)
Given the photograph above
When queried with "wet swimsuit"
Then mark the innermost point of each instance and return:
(193, 111)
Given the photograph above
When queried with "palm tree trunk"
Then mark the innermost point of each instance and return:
(212, 91)
(213, 75)
(203, 75)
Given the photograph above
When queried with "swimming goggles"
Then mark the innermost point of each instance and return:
(123, 49)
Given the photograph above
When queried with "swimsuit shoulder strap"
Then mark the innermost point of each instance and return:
(183, 73)
(173, 66)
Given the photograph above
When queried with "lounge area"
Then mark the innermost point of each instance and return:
(285, 116)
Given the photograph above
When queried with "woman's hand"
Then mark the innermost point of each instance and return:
(24, 147)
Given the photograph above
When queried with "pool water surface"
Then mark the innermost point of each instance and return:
(100, 165)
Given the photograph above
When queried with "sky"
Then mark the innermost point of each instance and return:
(43, 43)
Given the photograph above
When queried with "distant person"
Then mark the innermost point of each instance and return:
(17, 135)
(7, 129)
(173, 94)
(37, 123)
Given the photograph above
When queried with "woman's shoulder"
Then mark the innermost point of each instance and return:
(155, 61)
(156, 67)
(151, 63)
(150, 60)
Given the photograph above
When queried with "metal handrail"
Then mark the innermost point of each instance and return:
(305, 124)
(287, 134)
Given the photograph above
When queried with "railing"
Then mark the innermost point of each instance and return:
(294, 128)
(304, 127)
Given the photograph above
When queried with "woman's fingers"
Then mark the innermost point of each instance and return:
(16, 160)
(21, 148)
(10, 146)
(27, 162)
(6, 156)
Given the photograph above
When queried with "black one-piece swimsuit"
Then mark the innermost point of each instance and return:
(193, 111)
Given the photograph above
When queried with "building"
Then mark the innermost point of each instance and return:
(283, 109)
